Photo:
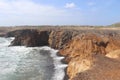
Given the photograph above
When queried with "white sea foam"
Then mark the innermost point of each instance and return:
(21, 63)
(59, 66)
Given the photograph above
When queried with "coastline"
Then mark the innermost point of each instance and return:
(65, 70)
(79, 47)
(58, 65)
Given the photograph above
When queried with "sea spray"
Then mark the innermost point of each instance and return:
(58, 65)
(31, 63)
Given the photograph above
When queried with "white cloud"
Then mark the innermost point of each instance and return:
(27, 7)
(26, 12)
(70, 5)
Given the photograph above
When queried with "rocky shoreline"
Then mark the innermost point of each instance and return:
(91, 54)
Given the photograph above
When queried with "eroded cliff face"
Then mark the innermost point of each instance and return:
(81, 57)
(79, 50)
(101, 68)
(83, 45)
(59, 38)
(90, 55)
(30, 38)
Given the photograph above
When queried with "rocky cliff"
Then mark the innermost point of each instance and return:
(90, 54)
(29, 38)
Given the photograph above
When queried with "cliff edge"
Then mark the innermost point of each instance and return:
(90, 54)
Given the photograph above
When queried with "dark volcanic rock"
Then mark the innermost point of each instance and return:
(30, 38)
(10, 34)
(14, 33)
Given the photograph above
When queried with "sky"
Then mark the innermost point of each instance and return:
(59, 12)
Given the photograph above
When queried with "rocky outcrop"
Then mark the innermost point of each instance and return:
(30, 38)
(90, 55)
(99, 68)
(83, 45)
(59, 38)
(79, 55)
(14, 33)
(115, 54)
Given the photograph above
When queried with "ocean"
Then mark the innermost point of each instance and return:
(29, 63)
